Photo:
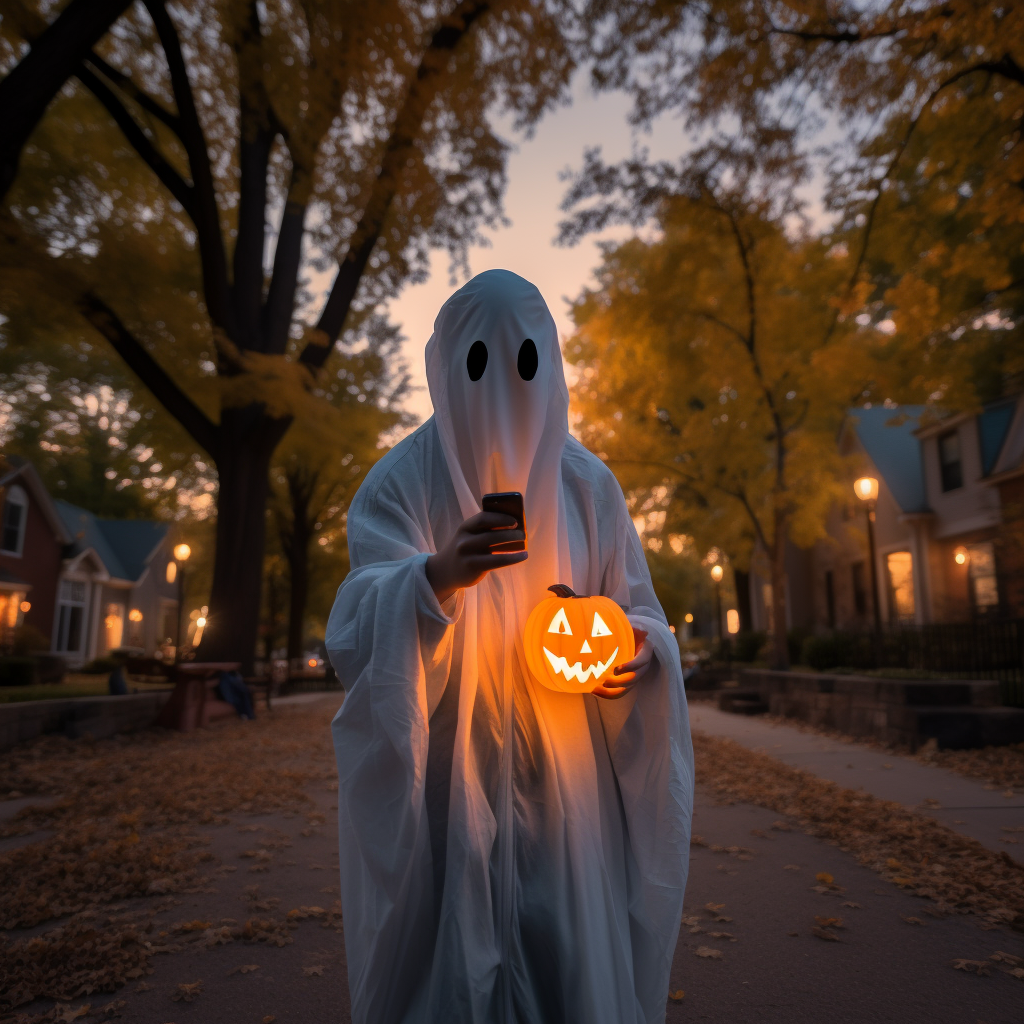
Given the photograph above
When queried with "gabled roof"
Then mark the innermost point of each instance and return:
(125, 546)
(887, 436)
(21, 471)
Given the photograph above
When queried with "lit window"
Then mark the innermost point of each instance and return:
(172, 571)
(981, 568)
(900, 567)
(949, 461)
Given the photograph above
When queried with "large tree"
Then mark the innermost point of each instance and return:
(922, 106)
(278, 144)
(713, 367)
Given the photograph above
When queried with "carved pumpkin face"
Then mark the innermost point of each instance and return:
(573, 643)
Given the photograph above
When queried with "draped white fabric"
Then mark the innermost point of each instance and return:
(509, 854)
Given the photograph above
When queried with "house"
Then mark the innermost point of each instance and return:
(92, 584)
(948, 525)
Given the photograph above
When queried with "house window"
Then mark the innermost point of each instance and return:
(949, 461)
(113, 623)
(860, 591)
(830, 599)
(981, 570)
(12, 532)
(900, 570)
(71, 616)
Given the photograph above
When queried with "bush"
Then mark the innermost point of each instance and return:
(29, 640)
(795, 640)
(100, 666)
(17, 671)
(747, 646)
(825, 652)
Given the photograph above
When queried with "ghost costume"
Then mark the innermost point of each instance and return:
(509, 854)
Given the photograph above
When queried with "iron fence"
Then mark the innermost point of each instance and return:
(964, 650)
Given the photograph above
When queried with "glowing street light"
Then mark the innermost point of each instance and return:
(960, 555)
(717, 572)
(181, 555)
(866, 488)
(182, 552)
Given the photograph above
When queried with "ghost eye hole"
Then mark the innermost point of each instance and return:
(476, 361)
(527, 361)
(600, 627)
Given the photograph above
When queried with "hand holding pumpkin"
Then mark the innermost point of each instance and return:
(471, 554)
(624, 677)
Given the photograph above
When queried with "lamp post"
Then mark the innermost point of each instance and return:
(717, 572)
(866, 488)
(181, 555)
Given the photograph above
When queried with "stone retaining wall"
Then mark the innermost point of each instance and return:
(79, 716)
(901, 711)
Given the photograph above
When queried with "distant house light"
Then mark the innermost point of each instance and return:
(135, 615)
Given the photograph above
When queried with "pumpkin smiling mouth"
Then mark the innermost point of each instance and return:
(577, 671)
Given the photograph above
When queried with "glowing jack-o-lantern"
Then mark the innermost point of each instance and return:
(573, 643)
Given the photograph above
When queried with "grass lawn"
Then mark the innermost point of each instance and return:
(74, 685)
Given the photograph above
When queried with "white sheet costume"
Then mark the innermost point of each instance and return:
(509, 855)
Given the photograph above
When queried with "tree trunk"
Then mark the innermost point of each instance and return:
(27, 90)
(742, 581)
(247, 438)
(298, 572)
(780, 645)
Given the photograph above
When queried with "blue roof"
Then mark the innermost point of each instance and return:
(123, 545)
(888, 437)
(993, 426)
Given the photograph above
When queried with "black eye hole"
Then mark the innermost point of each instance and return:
(527, 361)
(476, 362)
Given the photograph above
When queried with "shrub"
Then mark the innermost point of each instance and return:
(29, 640)
(17, 671)
(100, 666)
(825, 652)
(747, 646)
(795, 639)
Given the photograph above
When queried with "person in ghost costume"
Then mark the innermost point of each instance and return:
(509, 854)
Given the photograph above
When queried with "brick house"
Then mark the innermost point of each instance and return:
(949, 525)
(91, 584)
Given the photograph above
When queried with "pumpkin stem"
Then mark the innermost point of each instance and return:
(561, 590)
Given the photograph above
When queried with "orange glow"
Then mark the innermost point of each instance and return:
(960, 555)
(688, 617)
(717, 572)
(311, 662)
(573, 643)
(25, 606)
(866, 488)
(181, 552)
(135, 615)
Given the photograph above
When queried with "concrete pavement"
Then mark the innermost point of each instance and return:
(970, 807)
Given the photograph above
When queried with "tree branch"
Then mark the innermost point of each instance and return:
(27, 90)
(423, 88)
(133, 92)
(202, 429)
(216, 284)
(139, 140)
(277, 312)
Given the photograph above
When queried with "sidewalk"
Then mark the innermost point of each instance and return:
(967, 806)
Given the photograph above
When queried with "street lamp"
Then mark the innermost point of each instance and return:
(866, 488)
(717, 572)
(181, 556)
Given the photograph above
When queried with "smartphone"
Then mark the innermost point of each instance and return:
(508, 503)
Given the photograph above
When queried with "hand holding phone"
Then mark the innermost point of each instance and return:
(492, 539)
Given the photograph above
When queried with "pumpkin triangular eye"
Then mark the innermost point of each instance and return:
(600, 629)
(560, 623)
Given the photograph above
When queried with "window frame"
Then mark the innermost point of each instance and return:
(17, 497)
(951, 474)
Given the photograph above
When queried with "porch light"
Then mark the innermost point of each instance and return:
(181, 552)
(135, 615)
(960, 555)
(688, 617)
(717, 572)
(25, 606)
(201, 621)
(866, 488)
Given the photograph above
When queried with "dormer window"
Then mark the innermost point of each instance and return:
(949, 461)
(12, 526)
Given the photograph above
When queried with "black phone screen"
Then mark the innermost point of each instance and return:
(508, 503)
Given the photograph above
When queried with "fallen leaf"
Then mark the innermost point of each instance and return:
(1017, 972)
(911, 920)
(825, 878)
(886, 765)
(1009, 794)
(790, 867)
(792, 935)
(782, 826)
(852, 905)
(313, 972)
(821, 933)
(714, 907)
(691, 922)
(677, 996)
(709, 953)
(982, 967)
(721, 935)
(187, 991)
(1007, 958)
(65, 1015)
(829, 922)
(268, 1020)
(244, 969)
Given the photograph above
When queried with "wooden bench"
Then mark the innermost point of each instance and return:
(194, 701)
